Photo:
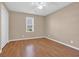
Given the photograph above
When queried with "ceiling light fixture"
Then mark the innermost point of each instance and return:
(39, 5)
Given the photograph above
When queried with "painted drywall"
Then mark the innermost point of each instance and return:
(4, 25)
(63, 25)
(18, 26)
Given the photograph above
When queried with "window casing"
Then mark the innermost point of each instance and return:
(30, 24)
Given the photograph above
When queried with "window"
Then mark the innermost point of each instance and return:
(29, 24)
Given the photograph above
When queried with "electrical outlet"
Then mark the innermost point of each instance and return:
(71, 41)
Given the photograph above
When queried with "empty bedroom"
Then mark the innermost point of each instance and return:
(39, 29)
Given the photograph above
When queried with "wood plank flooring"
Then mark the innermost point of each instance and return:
(37, 48)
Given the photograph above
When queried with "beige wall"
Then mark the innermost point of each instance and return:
(18, 28)
(64, 25)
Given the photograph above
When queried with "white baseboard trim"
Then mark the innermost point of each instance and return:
(64, 44)
(44, 37)
(47, 38)
(3, 47)
(26, 38)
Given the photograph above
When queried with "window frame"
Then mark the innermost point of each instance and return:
(27, 18)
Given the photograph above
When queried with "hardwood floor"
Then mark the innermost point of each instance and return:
(38, 48)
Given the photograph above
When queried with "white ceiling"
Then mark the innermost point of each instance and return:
(27, 7)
